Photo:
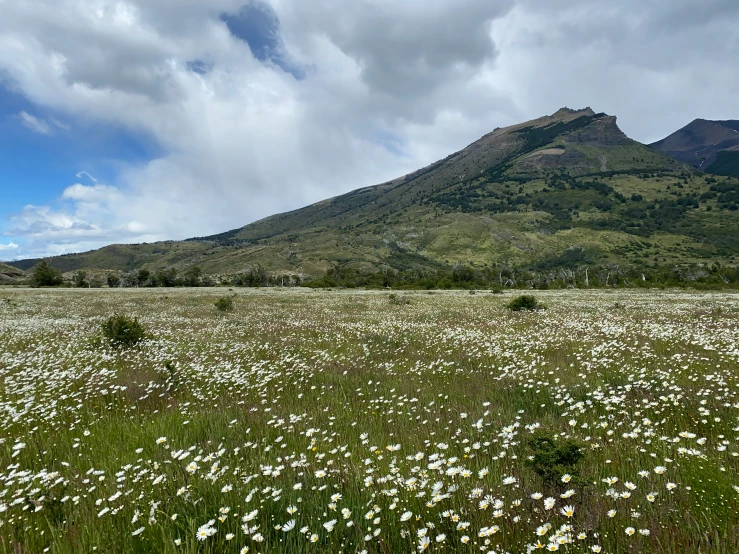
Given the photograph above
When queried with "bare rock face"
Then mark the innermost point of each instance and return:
(603, 132)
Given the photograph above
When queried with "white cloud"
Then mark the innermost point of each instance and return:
(34, 123)
(388, 87)
(7, 247)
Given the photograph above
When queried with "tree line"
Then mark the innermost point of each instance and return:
(460, 276)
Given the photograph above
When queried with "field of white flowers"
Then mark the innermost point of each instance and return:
(309, 421)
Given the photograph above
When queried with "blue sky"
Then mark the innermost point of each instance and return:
(193, 118)
(42, 153)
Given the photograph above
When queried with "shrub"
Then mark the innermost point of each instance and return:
(224, 304)
(399, 300)
(551, 459)
(80, 279)
(122, 331)
(525, 302)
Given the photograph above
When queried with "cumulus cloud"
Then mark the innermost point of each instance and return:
(8, 247)
(261, 107)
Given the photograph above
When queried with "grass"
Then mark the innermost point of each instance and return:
(343, 393)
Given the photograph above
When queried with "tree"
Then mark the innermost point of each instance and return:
(80, 279)
(143, 277)
(192, 276)
(113, 280)
(46, 276)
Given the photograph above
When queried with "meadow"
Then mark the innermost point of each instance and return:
(338, 421)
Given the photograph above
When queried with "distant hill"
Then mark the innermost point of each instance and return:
(561, 190)
(10, 274)
(712, 146)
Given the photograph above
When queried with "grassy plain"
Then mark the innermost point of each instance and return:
(316, 421)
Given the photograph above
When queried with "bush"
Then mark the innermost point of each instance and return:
(224, 304)
(122, 331)
(551, 459)
(399, 300)
(525, 302)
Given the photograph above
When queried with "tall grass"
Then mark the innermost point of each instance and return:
(300, 396)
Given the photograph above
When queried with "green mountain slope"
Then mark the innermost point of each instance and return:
(569, 188)
(727, 163)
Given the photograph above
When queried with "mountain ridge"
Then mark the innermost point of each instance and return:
(516, 196)
(700, 142)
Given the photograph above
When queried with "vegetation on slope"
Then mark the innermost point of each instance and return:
(519, 197)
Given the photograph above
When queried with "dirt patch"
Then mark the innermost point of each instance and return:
(547, 152)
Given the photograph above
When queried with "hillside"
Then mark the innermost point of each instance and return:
(561, 190)
(10, 274)
(712, 146)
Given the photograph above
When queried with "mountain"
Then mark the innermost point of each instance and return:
(10, 274)
(569, 188)
(712, 146)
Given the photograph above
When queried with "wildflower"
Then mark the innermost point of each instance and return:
(568, 511)
(289, 526)
(329, 525)
(630, 531)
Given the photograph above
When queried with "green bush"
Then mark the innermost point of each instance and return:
(551, 459)
(122, 331)
(399, 300)
(525, 302)
(224, 304)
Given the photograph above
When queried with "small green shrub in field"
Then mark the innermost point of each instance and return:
(552, 459)
(399, 300)
(122, 331)
(526, 303)
(225, 304)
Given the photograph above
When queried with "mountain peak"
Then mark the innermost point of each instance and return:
(565, 111)
(700, 142)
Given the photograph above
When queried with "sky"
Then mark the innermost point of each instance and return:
(144, 120)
